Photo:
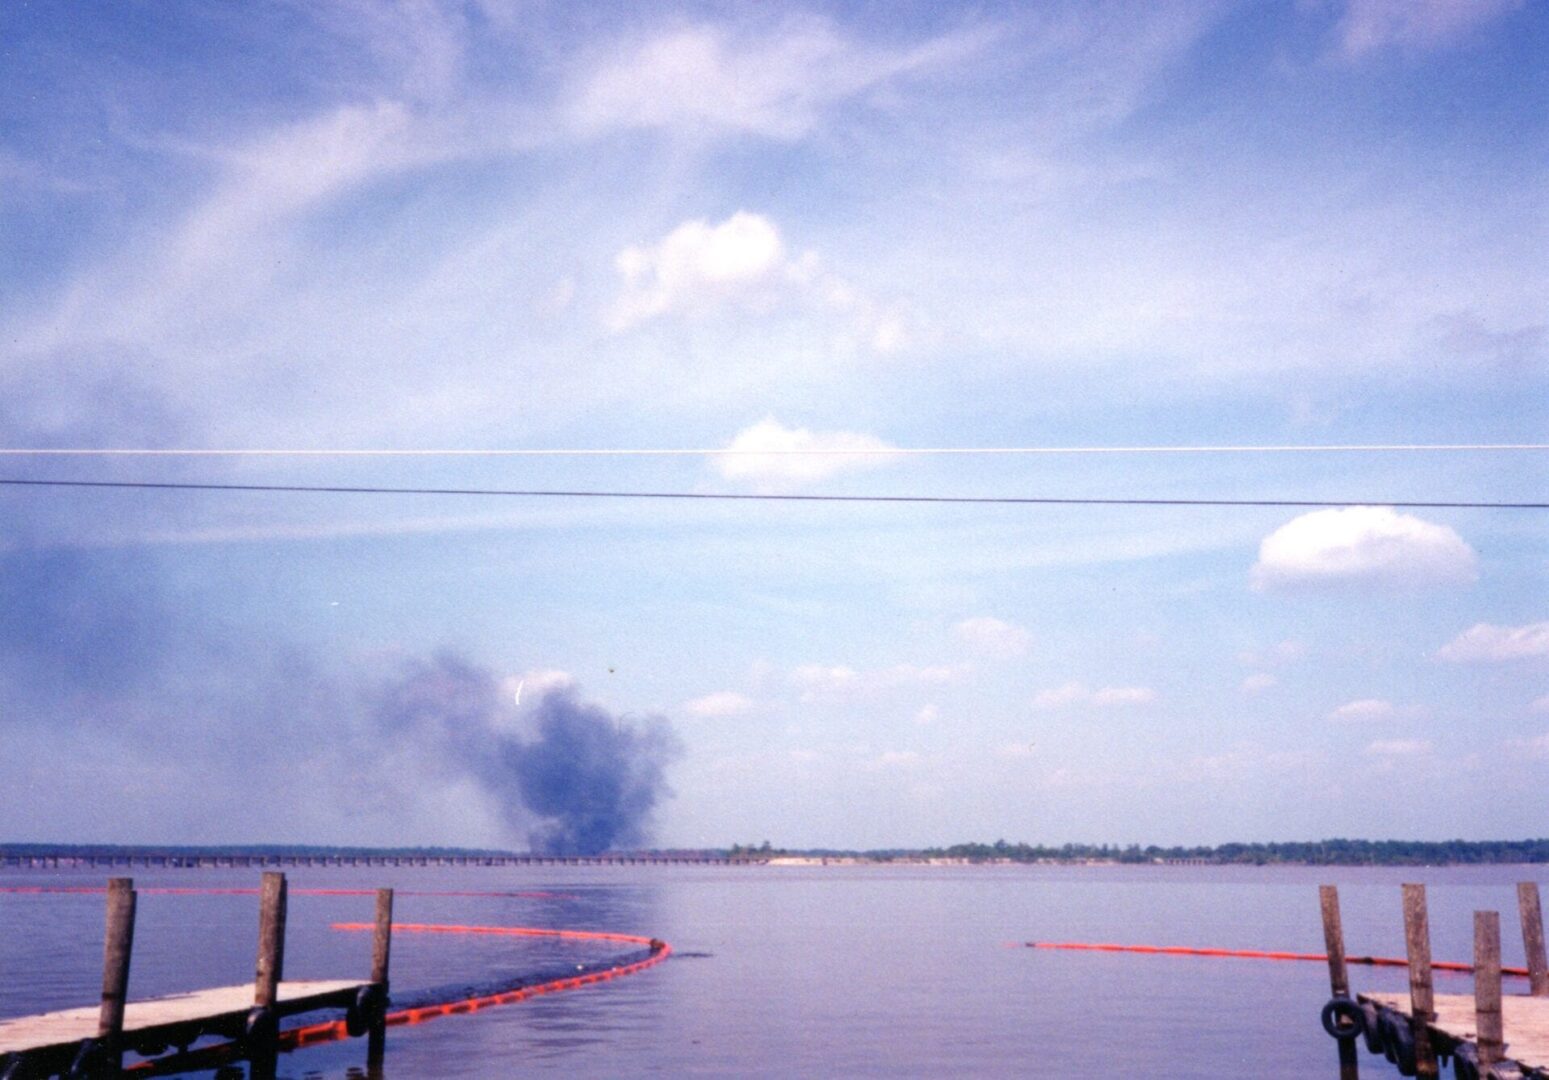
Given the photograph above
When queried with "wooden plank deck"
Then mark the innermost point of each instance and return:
(70, 1026)
(1525, 1020)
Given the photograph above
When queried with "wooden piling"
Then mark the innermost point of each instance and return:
(1487, 988)
(1533, 937)
(271, 938)
(1334, 940)
(381, 952)
(263, 1048)
(1338, 973)
(1422, 1000)
(118, 945)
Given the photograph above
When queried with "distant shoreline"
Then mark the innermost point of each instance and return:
(1338, 852)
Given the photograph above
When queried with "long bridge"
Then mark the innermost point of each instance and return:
(35, 859)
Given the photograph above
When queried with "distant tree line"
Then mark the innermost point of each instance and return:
(1337, 852)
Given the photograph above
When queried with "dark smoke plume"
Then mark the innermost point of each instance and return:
(579, 780)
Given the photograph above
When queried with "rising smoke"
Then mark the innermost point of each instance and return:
(577, 779)
(113, 673)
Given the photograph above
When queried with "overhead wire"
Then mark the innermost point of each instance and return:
(793, 451)
(711, 496)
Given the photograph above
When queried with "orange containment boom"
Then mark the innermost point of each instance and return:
(1256, 954)
(331, 1030)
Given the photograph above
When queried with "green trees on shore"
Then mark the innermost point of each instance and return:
(1337, 852)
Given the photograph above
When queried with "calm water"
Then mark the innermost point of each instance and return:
(866, 971)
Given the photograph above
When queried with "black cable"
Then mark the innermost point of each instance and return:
(756, 497)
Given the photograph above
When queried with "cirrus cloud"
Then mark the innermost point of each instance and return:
(1369, 26)
(1371, 545)
(705, 78)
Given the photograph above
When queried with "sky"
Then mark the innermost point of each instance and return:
(756, 228)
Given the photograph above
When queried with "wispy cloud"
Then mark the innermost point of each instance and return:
(719, 705)
(1485, 643)
(1399, 748)
(1536, 748)
(777, 83)
(1370, 26)
(1258, 682)
(1364, 710)
(1079, 694)
(770, 455)
(993, 637)
(816, 680)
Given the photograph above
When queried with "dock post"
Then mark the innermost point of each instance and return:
(263, 1023)
(1487, 988)
(1422, 1000)
(1533, 937)
(381, 952)
(1338, 974)
(116, 950)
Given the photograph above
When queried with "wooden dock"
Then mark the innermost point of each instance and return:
(243, 1021)
(1525, 1020)
(50, 1042)
(1486, 1035)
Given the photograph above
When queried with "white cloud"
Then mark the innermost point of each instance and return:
(1486, 643)
(703, 79)
(772, 455)
(742, 263)
(891, 760)
(819, 676)
(1536, 747)
(993, 636)
(1399, 748)
(1278, 655)
(1124, 695)
(1075, 693)
(816, 679)
(1369, 26)
(1362, 544)
(722, 703)
(1364, 710)
(699, 265)
(1258, 683)
(928, 714)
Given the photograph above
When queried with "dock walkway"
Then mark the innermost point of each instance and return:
(170, 1020)
(92, 1040)
(1525, 1019)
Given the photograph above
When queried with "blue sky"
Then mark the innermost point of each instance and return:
(489, 225)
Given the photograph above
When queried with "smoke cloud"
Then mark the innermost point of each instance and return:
(172, 721)
(575, 778)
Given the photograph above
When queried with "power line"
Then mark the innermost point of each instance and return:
(1012, 500)
(848, 451)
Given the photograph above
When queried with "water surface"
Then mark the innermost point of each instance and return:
(798, 971)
